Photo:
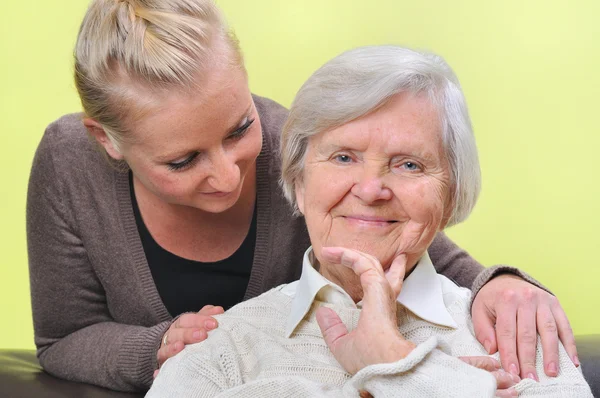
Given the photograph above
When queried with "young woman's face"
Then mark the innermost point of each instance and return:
(197, 151)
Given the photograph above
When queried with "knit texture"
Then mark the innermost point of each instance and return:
(98, 317)
(249, 356)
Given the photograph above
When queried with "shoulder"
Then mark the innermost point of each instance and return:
(69, 165)
(273, 303)
(272, 118)
(67, 145)
(68, 132)
(457, 300)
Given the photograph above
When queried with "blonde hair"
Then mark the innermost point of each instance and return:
(125, 46)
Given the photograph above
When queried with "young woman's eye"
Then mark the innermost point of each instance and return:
(343, 158)
(187, 162)
(239, 133)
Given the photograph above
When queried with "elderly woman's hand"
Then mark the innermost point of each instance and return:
(376, 338)
(508, 313)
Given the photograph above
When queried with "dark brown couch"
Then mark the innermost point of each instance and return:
(22, 376)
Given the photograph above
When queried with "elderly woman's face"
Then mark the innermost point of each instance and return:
(379, 184)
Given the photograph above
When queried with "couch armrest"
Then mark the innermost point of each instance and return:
(22, 376)
(588, 348)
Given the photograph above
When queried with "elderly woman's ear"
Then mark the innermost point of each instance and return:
(448, 210)
(299, 192)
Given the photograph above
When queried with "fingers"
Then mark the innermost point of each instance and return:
(506, 327)
(209, 310)
(483, 324)
(527, 334)
(511, 392)
(196, 321)
(395, 274)
(187, 329)
(505, 380)
(482, 362)
(167, 351)
(549, 335)
(332, 328)
(565, 333)
(358, 262)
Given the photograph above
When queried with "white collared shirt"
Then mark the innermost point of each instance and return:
(422, 293)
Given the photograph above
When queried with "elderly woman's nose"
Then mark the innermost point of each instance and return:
(224, 173)
(371, 188)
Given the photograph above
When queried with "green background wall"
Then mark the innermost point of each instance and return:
(529, 69)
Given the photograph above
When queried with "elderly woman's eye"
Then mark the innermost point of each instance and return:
(343, 158)
(410, 166)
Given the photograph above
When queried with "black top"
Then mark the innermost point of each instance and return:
(186, 285)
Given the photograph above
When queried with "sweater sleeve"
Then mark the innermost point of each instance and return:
(75, 334)
(426, 372)
(457, 265)
(453, 262)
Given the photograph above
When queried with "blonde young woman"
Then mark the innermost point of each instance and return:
(179, 209)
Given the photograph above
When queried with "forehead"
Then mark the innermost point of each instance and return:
(406, 122)
(175, 118)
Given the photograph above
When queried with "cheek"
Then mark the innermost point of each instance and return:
(325, 188)
(255, 137)
(167, 184)
(424, 200)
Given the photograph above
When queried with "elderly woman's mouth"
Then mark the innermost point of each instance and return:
(369, 221)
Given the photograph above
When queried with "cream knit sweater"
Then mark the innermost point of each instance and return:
(249, 356)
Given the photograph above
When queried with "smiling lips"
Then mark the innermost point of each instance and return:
(369, 221)
(217, 194)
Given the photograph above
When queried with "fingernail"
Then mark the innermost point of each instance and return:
(488, 346)
(196, 335)
(576, 361)
(210, 324)
(498, 365)
(552, 368)
(532, 376)
(513, 369)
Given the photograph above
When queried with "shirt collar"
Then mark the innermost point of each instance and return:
(421, 293)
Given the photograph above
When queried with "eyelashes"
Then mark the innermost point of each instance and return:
(191, 160)
(239, 133)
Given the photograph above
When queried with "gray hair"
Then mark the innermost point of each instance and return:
(362, 80)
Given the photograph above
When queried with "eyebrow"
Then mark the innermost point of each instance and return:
(174, 156)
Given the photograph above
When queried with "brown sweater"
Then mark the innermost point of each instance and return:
(98, 317)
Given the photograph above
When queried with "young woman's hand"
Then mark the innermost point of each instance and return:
(504, 381)
(509, 313)
(187, 329)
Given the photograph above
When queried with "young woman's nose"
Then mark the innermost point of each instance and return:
(370, 187)
(225, 173)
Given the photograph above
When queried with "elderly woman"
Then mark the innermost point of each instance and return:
(378, 156)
